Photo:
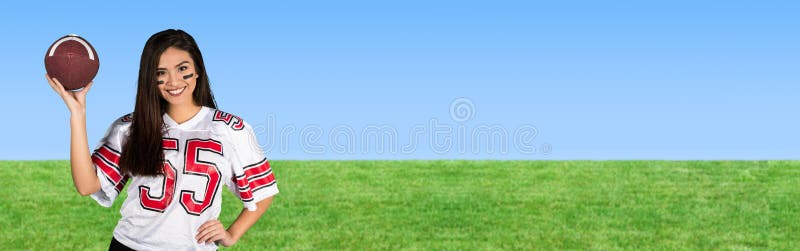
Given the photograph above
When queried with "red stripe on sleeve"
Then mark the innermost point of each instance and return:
(263, 181)
(107, 169)
(244, 190)
(109, 154)
(121, 184)
(259, 169)
(247, 184)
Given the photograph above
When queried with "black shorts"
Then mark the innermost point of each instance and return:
(117, 246)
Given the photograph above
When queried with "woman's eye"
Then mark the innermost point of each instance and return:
(160, 73)
(183, 68)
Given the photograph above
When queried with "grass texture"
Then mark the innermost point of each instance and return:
(456, 205)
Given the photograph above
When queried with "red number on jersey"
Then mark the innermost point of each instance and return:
(227, 118)
(160, 203)
(193, 166)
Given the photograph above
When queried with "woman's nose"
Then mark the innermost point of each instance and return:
(171, 77)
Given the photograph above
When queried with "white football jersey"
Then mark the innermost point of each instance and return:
(164, 212)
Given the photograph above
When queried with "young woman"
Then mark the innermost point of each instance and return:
(177, 150)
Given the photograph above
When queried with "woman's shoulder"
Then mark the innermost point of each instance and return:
(233, 130)
(127, 118)
(122, 122)
(120, 126)
(225, 120)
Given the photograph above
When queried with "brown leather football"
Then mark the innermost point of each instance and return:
(73, 61)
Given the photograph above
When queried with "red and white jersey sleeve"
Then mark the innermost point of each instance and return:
(106, 162)
(253, 179)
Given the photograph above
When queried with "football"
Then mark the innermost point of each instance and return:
(73, 61)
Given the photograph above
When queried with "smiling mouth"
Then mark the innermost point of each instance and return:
(176, 92)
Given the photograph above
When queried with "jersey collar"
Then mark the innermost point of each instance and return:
(189, 123)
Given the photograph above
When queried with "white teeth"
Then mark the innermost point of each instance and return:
(177, 92)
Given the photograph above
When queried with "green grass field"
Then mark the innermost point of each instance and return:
(457, 205)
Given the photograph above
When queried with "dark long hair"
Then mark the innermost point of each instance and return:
(142, 152)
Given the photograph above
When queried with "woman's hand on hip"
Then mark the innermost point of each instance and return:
(213, 231)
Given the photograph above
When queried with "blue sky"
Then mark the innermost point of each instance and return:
(557, 80)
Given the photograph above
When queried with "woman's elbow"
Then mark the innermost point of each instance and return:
(85, 191)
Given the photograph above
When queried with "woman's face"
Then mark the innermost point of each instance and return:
(176, 76)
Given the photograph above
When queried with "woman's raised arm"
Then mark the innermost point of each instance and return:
(83, 173)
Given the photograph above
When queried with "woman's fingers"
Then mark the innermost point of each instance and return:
(214, 231)
(206, 225)
(218, 236)
(81, 95)
(208, 231)
(55, 84)
(87, 87)
(210, 236)
(59, 89)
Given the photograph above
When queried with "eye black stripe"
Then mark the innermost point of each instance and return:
(188, 76)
